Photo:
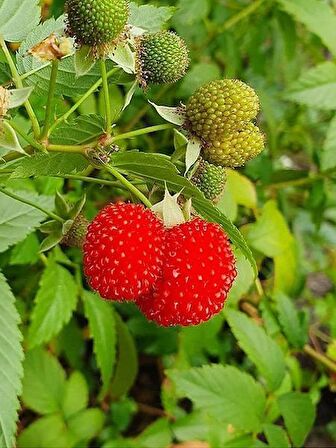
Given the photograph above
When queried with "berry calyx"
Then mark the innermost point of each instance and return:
(236, 147)
(198, 272)
(123, 251)
(96, 23)
(4, 101)
(75, 236)
(162, 58)
(210, 179)
(220, 106)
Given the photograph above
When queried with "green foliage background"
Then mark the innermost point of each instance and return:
(262, 373)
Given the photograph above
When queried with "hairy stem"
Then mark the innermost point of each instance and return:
(107, 102)
(31, 204)
(149, 130)
(81, 100)
(50, 101)
(19, 85)
(77, 149)
(130, 187)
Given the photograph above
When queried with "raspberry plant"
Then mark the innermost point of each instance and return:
(151, 293)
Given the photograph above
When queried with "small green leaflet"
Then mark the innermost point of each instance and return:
(102, 323)
(54, 304)
(17, 220)
(259, 347)
(149, 17)
(8, 138)
(11, 356)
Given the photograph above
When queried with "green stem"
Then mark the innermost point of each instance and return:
(81, 100)
(320, 357)
(19, 85)
(27, 137)
(126, 135)
(304, 180)
(50, 101)
(232, 21)
(77, 149)
(108, 115)
(32, 204)
(130, 187)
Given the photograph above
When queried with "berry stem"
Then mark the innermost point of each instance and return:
(108, 115)
(130, 187)
(50, 101)
(142, 131)
(31, 204)
(19, 85)
(89, 92)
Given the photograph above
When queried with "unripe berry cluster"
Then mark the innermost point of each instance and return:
(210, 179)
(161, 58)
(220, 114)
(177, 276)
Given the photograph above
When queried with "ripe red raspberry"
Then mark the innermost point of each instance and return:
(198, 271)
(123, 251)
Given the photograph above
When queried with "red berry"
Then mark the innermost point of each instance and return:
(198, 271)
(123, 251)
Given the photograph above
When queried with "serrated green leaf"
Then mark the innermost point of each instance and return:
(43, 382)
(316, 87)
(276, 436)
(46, 432)
(17, 18)
(259, 347)
(79, 131)
(319, 17)
(50, 165)
(11, 356)
(26, 252)
(217, 390)
(287, 269)
(158, 168)
(101, 317)
(54, 304)
(328, 157)
(127, 362)
(149, 17)
(291, 323)
(76, 395)
(298, 412)
(17, 220)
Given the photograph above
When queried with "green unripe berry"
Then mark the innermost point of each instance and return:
(236, 147)
(96, 23)
(4, 101)
(161, 58)
(210, 179)
(220, 106)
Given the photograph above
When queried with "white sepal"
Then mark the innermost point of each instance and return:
(175, 115)
(19, 96)
(123, 57)
(8, 138)
(129, 94)
(84, 61)
(169, 210)
(193, 152)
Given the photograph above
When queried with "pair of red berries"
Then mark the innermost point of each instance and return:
(177, 276)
